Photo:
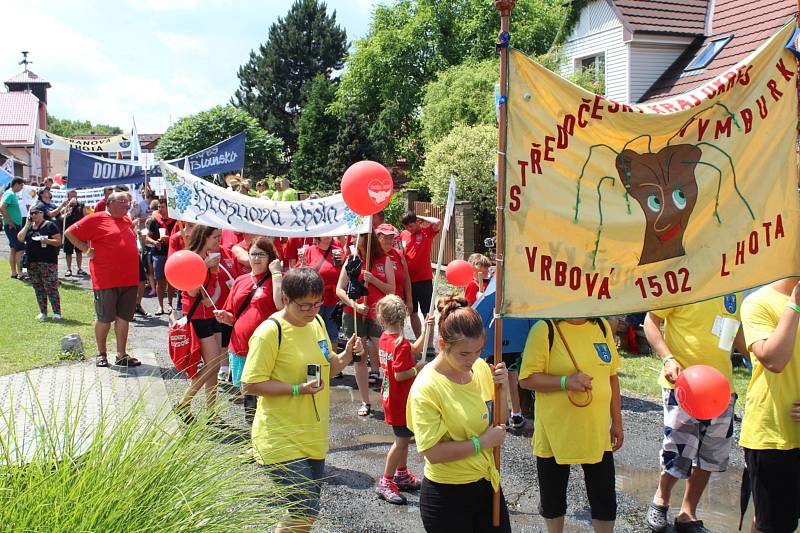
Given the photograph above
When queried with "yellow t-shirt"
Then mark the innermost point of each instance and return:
(767, 423)
(441, 410)
(692, 334)
(573, 435)
(289, 427)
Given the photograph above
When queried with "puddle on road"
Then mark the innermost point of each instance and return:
(719, 506)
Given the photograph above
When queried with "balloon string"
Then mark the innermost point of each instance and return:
(209, 297)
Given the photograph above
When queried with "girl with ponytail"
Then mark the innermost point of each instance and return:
(450, 410)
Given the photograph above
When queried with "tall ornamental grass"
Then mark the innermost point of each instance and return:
(127, 472)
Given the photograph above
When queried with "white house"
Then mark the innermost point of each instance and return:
(652, 49)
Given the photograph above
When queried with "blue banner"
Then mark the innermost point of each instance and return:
(87, 170)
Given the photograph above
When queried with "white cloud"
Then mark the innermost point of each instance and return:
(178, 42)
(172, 5)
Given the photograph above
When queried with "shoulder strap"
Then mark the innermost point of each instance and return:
(194, 307)
(601, 325)
(324, 257)
(249, 297)
(280, 333)
(319, 321)
(551, 334)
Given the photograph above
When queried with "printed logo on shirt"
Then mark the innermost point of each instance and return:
(730, 303)
(489, 414)
(603, 352)
(323, 345)
(380, 268)
(418, 237)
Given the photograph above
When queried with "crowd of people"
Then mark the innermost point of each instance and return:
(281, 318)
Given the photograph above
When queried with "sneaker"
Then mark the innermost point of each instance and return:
(694, 526)
(41, 316)
(388, 491)
(56, 316)
(407, 482)
(516, 421)
(141, 312)
(656, 517)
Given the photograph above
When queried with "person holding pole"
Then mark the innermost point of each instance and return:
(450, 411)
(572, 365)
(380, 282)
(417, 238)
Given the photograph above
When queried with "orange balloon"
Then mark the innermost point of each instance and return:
(703, 392)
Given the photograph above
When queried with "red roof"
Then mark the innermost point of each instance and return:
(751, 22)
(27, 76)
(18, 112)
(685, 17)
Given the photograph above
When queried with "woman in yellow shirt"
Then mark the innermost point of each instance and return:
(572, 365)
(449, 411)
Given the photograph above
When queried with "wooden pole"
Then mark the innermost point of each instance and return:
(504, 8)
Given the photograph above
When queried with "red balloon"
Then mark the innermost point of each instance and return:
(703, 392)
(185, 270)
(367, 187)
(459, 273)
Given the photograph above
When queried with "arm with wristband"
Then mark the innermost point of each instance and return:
(776, 351)
(652, 330)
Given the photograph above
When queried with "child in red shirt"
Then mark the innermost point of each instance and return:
(480, 268)
(399, 370)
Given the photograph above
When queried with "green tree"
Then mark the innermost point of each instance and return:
(273, 84)
(263, 151)
(410, 41)
(463, 94)
(69, 128)
(352, 143)
(317, 132)
(469, 153)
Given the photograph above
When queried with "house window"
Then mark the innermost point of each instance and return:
(590, 73)
(594, 64)
(709, 52)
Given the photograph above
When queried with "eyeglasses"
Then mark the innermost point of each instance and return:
(120, 202)
(308, 307)
(258, 255)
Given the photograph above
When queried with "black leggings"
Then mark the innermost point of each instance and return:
(464, 508)
(553, 479)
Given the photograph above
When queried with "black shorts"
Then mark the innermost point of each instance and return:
(225, 334)
(775, 481)
(553, 479)
(142, 269)
(402, 431)
(205, 327)
(421, 294)
(446, 508)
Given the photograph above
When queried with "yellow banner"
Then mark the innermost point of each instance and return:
(615, 208)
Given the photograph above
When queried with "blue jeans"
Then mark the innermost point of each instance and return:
(330, 324)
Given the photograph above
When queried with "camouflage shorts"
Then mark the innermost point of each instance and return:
(689, 442)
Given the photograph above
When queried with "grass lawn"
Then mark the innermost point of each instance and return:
(27, 343)
(639, 374)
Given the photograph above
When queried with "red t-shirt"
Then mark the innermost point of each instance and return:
(226, 275)
(241, 268)
(328, 271)
(292, 246)
(471, 291)
(418, 253)
(100, 206)
(202, 311)
(116, 258)
(394, 394)
(399, 273)
(176, 242)
(378, 270)
(260, 308)
(229, 238)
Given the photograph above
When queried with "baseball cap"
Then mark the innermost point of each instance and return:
(386, 229)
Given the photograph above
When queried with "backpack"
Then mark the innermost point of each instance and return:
(280, 333)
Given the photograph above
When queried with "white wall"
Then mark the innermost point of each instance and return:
(600, 31)
(647, 63)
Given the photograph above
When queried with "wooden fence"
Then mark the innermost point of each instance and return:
(428, 209)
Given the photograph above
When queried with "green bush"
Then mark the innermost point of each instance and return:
(469, 153)
(394, 211)
(127, 473)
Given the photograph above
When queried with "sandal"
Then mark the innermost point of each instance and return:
(68, 274)
(127, 360)
(365, 409)
(101, 360)
(184, 413)
(82, 272)
(656, 517)
(14, 276)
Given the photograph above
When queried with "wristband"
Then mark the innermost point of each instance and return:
(277, 275)
(794, 307)
(295, 390)
(415, 370)
(563, 382)
(477, 444)
(665, 359)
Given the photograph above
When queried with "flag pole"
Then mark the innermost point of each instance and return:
(504, 8)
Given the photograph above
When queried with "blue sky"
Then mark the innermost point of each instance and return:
(152, 59)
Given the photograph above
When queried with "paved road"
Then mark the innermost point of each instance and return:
(358, 447)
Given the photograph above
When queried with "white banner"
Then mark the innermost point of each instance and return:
(117, 143)
(193, 199)
(88, 197)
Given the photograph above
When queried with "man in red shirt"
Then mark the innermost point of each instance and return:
(101, 205)
(108, 239)
(417, 238)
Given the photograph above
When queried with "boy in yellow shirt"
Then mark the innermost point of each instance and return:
(691, 448)
(771, 425)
